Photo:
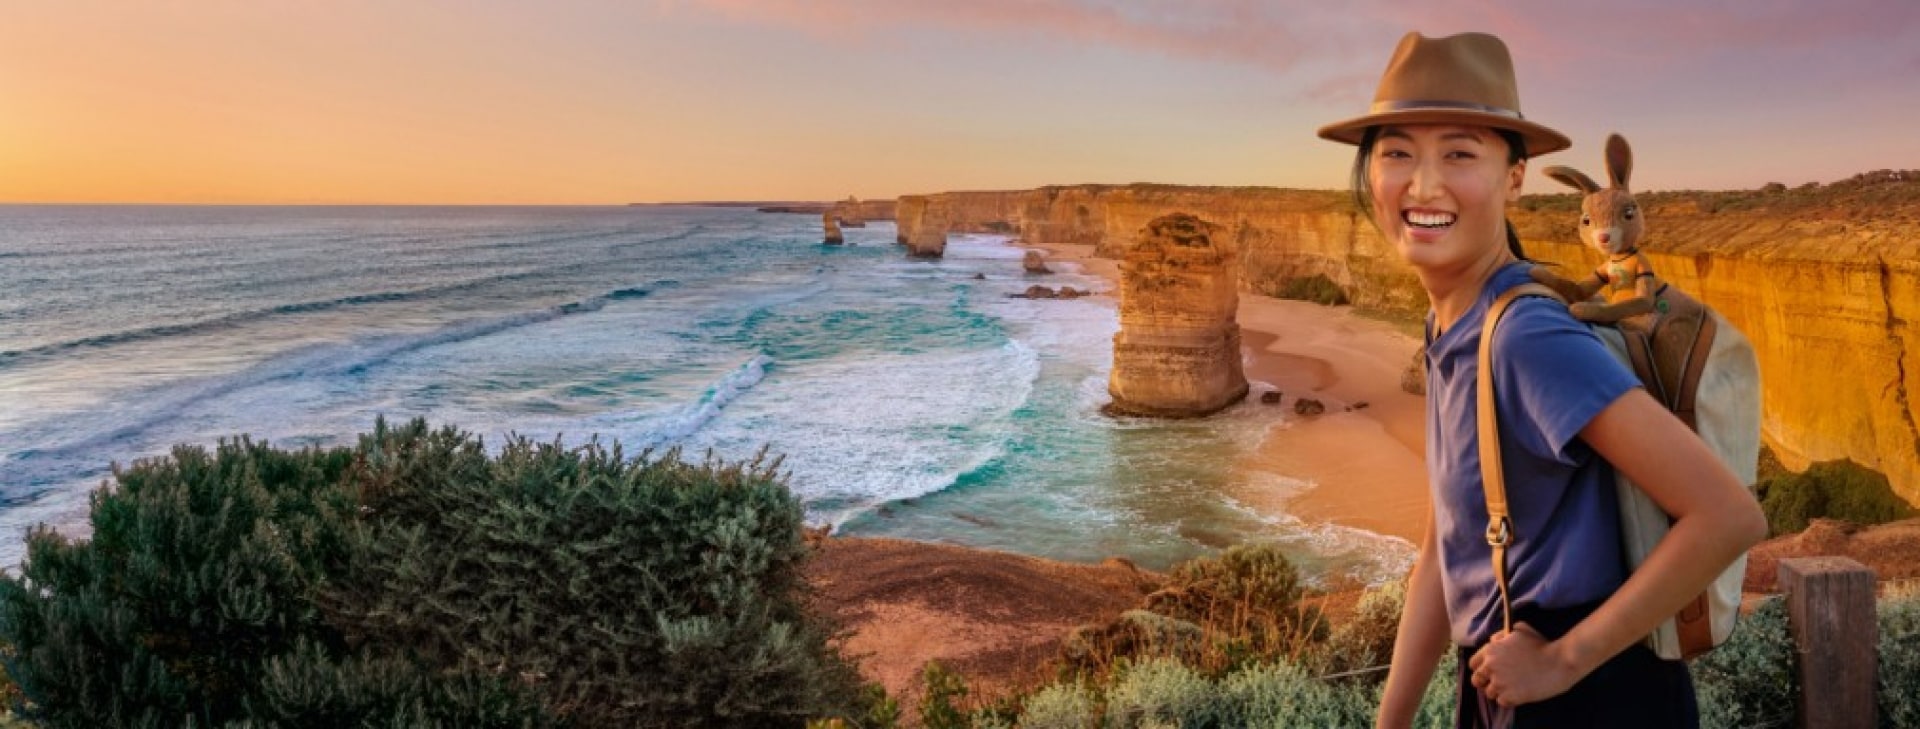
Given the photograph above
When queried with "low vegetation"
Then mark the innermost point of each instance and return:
(421, 578)
(417, 578)
(1841, 490)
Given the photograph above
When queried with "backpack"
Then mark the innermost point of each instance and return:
(1701, 368)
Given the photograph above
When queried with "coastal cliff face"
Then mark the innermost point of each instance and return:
(856, 212)
(1829, 301)
(1177, 353)
(1827, 289)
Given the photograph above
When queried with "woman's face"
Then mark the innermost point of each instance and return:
(1440, 192)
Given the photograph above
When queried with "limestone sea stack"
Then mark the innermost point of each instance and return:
(928, 237)
(834, 237)
(907, 212)
(1177, 353)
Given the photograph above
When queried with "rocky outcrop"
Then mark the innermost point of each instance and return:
(908, 211)
(1033, 262)
(1177, 353)
(833, 236)
(927, 238)
(851, 213)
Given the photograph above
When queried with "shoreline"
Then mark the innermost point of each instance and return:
(1366, 466)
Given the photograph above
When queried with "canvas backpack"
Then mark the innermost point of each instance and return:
(1704, 370)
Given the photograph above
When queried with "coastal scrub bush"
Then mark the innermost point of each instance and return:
(414, 579)
(1243, 581)
(1831, 489)
(195, 598)
(1364, 642)
(1752, 679)
(1316, 288)
(1161, 692)
(621, 592)
(1061, 706)
(1899, 654)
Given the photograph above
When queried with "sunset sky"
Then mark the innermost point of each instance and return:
(597, 101)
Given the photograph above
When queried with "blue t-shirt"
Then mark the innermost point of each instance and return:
(1551, 377)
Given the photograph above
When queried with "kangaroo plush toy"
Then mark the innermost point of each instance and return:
(1612, 223)
(1661, 324)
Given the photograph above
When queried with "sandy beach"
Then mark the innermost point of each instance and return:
(1363, 458)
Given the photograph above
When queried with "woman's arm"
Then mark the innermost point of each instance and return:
(1422, 638)
(1715, 520)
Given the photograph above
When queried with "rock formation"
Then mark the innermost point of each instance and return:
(1033, 262)
(851, 213)
(834, 237)
(1177, 353)
(908, 212)
(927, 238)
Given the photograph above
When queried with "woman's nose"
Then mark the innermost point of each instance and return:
(1425, 184)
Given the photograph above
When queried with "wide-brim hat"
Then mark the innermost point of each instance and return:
(1459, 79)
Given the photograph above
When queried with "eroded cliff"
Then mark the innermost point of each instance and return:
(1826, 281)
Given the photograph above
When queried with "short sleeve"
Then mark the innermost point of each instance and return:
(1551, 377)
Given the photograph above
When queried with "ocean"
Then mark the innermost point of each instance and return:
(908, 399)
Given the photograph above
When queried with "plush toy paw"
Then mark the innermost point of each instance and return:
(1566, 289)
(1588, 310)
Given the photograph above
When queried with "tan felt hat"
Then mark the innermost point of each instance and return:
(1459, 79)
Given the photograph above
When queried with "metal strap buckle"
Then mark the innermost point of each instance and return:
(1499, 532)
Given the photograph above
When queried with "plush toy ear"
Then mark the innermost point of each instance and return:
(1619, 160)
(1572, 178)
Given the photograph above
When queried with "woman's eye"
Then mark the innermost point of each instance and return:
(1460, 154)
(1395, 154)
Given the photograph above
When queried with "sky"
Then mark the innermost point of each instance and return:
(606, 102)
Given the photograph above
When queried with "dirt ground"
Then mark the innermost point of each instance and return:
(992, 616)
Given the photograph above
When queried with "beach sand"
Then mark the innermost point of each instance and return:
(1366, 464)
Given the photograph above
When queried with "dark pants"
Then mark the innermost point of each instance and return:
(1635, 689)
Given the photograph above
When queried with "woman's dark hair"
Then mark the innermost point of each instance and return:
(1363, 195)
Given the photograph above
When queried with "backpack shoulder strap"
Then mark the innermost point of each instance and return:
(1492, 475)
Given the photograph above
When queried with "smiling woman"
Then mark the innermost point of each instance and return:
(1527, 580)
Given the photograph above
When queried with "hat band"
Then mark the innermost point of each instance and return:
(1380, 107)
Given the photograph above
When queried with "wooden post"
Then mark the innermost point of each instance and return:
(1831, 611)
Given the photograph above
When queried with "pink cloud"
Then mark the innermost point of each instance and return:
(1231, 31)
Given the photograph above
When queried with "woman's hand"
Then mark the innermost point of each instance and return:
(1522, 667)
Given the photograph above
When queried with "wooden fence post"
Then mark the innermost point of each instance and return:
(1831, 611)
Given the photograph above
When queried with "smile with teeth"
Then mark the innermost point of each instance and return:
(1428, 219)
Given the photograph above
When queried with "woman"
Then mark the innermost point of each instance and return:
(1442, 153)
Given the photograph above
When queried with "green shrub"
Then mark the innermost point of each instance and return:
(1161, 692)
(414, 579)
(1061, 706)
(1285, 695)
(623, 592)
(1831, 489)
(941, 688)
(1316, 288)
(1899, 654)
(1365, 640)
(1244, 580)
(201, 573)
(1752, 679)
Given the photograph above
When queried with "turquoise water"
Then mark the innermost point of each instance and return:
(909, 399)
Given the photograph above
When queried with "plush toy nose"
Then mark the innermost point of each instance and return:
(1604, 237)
